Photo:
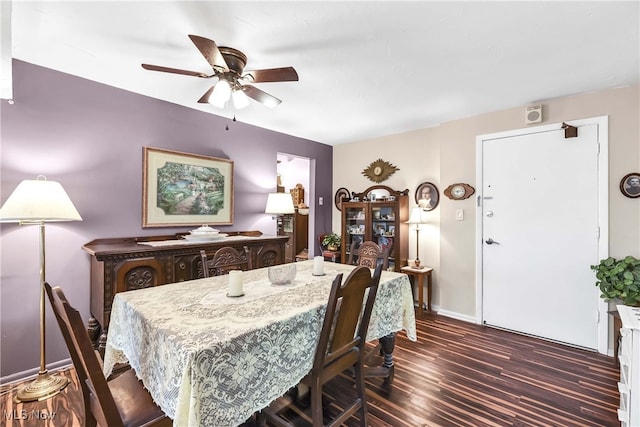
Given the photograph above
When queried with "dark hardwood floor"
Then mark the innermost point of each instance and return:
(457, 374)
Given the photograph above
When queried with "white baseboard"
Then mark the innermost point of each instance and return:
(31, 373)
(454, 315)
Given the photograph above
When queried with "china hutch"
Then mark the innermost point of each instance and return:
(377, 214)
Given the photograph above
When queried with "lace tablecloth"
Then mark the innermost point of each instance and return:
(211, 360)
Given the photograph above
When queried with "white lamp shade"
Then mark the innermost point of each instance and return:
(38, 200)
(240, 100)
(418, 216)
(279, 203)
(221, 93)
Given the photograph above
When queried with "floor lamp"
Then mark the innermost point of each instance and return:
(418, 218)
(36, 202)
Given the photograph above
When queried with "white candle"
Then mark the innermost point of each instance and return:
(235, 283)
(318, 266)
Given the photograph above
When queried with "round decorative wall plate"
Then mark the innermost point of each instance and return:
(379, 170)
(340, 194)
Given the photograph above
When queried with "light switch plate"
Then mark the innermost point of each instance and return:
(459, 214)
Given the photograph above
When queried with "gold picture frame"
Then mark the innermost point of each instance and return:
(182, 189)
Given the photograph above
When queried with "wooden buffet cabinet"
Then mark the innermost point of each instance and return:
(123, 264)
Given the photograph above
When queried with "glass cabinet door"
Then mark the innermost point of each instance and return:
(383, 230)
(355, 226)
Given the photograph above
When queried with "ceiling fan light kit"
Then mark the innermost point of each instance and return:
(221, 94)
(228, 66)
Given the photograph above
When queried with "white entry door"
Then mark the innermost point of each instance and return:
(540, 227)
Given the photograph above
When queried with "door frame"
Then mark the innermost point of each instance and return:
(603, 209)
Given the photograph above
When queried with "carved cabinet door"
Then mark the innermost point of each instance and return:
(268, 255)
(139, 273)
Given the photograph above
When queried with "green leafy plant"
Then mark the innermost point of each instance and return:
(332, 239)
(619, 279)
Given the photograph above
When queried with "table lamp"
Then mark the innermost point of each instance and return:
(36, 202)
(279, 204)
(417, 217)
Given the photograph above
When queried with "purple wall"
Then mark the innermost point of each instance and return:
(89, 137)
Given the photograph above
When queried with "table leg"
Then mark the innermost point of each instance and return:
(385, 348)
(429, 292)
(420, 283)
(388, 343)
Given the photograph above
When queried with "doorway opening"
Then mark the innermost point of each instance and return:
(294, 176)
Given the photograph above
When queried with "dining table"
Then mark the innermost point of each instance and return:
(209, 359)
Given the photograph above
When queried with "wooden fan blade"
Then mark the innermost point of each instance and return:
(176, 71)
(210, 51)
(261, 96)
(284, 74)
(205, 98)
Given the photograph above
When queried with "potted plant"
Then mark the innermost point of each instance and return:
(332, 241)
(619, 279)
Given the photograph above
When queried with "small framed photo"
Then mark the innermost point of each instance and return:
(391, 230)
(181, 189)
(427, 196)
(379, 229)
(630, 185)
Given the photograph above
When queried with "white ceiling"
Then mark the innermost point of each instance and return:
(367, 69)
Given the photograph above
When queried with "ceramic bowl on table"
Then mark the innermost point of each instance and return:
(282, 274)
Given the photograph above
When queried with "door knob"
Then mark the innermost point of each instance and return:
(490, 241)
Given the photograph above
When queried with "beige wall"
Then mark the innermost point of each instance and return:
(446, 154)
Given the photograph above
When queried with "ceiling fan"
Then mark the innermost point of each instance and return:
(228, 66)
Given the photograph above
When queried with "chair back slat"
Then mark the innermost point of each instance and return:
(224, 260)
(369, 254)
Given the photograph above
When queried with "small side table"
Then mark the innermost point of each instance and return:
(420, 274)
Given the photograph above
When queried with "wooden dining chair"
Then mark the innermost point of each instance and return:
(118, 402)
(340, 349)
(224, 260)
(368, 254)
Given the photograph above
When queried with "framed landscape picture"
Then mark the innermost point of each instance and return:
(181, 189)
